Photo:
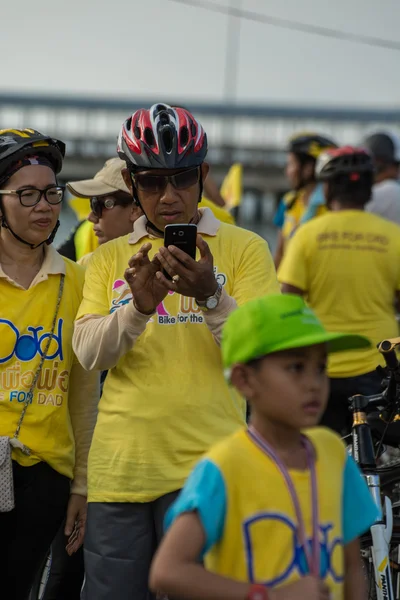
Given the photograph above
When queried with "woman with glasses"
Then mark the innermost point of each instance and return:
(165, 400)
(48, 403)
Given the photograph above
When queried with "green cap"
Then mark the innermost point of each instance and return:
(278, 322)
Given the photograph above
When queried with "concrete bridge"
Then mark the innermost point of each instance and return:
(254, 135)
(251, 134)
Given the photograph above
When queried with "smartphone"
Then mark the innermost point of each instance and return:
(183, 237)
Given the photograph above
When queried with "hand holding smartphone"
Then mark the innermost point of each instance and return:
(183, 237)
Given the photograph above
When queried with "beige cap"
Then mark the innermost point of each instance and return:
(107, 181)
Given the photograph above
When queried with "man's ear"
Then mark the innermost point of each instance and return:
(205, 167)
(127, 178)
(135, 213)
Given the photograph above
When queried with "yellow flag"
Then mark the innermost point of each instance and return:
(80, 206)
(85, 240)
(222, 214)
(232, 186)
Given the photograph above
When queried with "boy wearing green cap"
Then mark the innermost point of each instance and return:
(275, 511)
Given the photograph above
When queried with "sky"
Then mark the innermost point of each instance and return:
(161, 49)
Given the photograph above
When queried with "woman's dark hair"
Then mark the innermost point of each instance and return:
(304, 159)
(350, 191)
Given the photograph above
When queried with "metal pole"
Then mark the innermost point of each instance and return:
(232, 52)
(231, 72)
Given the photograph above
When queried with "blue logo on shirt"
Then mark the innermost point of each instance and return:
(27, 345)
(296, 559)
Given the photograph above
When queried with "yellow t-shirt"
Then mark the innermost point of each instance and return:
(25, 325)
(84, 260)
(348, 263)
(166, 401)
(248, 516)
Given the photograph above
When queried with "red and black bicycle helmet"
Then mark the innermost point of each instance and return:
(346, 160)
(162, 137)
(15, 144)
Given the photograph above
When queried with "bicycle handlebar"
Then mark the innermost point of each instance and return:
(390, 396)
(387, 349)
(367, 403)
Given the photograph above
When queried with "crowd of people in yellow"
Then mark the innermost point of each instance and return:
(156, 483)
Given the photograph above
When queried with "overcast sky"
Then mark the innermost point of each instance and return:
(158, 48)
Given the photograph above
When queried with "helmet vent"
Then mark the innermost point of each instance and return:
(168, 139)
(164, 118)
(149, 137)
(137, 131)
(160, 108)
(184, 136)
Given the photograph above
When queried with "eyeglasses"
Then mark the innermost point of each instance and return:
(97, 205)
(32, 196)
(158, 183)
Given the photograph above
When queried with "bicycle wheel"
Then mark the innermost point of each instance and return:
(390, 486)
(39, 586)
(370, 577)
(394, 569)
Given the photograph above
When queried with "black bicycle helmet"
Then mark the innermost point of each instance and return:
(384, 147)
(343, 161)
(309, 144)
(15, 145)
(162, 137)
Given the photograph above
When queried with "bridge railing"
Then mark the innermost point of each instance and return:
(230, 128)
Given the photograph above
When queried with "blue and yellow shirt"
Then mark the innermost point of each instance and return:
(292, 212)
(248, 516)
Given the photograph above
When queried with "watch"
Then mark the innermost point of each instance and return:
(211, 302)
(257, 592)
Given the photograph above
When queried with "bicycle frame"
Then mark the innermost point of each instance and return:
(381, 531)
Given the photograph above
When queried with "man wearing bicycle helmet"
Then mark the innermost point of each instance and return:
(346, 264)
(385, 150)
(306, 199)
(165, 400)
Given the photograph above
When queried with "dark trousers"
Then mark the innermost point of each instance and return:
(337, 415)
(120, 542)
(41, 498)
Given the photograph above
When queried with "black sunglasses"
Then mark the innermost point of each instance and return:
(158, 183)
(97, 205)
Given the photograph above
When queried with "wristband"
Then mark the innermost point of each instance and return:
(257, 592)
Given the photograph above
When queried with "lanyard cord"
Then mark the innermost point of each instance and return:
(313, 557)
(14, 441)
